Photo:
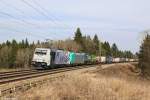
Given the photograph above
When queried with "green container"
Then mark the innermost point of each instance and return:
(72, 57)
(93, 57)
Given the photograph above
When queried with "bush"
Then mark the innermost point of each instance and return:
(5, 56)
(23, 57)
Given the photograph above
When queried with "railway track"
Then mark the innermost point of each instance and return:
(12, 76)
(7, 77)
(27, 74)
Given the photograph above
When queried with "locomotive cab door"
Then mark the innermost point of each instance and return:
(52, 55)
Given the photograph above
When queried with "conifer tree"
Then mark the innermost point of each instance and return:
(107, 48)
(144, 56)
(114, 50)
(96, 44)
(26, 43)
(79, 39)
(78, 36)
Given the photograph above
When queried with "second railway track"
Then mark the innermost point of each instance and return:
(27, 74)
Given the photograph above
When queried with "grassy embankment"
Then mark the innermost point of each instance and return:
(117, 82)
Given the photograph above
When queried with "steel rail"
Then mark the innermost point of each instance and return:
(13, 78)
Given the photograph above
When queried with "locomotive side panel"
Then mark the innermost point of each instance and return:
(61, 57)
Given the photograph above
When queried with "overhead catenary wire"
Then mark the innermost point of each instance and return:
(27, 33)
(20, 11)
(52, 16)
(42, 8)
(37, 10)
(40, 12)
(18, 31)
(20, 20)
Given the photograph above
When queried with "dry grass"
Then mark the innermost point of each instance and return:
(124, 71)
(90, 86)
(6, 70)
(12, 69)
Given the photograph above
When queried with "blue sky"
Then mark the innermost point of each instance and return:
(119, 21)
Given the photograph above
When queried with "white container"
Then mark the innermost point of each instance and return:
(98, 59)
(122, 59)
(127, 59)
(103, 59)
(131, 60)
(116, 60)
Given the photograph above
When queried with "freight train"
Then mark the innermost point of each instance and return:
(52, 58)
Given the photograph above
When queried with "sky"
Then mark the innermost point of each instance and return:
(116, 21)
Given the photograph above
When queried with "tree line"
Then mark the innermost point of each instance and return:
(96, 47)
(144, 56)
(15, 54)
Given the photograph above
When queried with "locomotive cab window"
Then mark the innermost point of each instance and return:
(41, 52)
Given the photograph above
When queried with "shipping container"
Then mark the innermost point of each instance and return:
(103, 59)
(98, 59)
(122, 59)
(131, 60)
(109, 59)
(116, 60)
(87, 58)
(79, 58)
(93, 58)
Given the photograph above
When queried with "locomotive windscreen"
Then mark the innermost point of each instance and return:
(41, 52)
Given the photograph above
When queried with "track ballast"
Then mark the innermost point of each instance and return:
(7, 77)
